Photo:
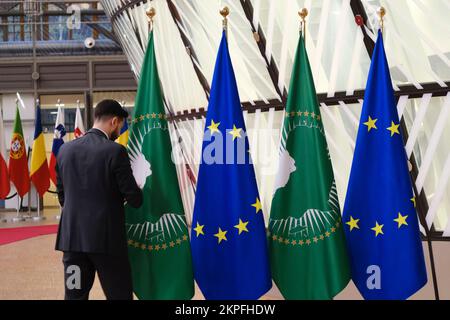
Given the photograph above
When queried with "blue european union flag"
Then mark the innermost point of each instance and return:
(228, 240)
(382, 228)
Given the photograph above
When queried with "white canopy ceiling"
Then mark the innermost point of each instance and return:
(339, 59)
(263, 36)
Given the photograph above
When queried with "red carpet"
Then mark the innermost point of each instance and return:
(8, 235)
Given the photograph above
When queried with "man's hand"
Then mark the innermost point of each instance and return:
(141, 169)
(125, 179)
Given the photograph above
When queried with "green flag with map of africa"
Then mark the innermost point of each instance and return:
(158, 241)
(306, 239)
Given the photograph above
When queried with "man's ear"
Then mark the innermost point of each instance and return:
(115, 121)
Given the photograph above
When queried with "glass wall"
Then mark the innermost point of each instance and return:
(68, 102)
(61, 28)
(126, 99)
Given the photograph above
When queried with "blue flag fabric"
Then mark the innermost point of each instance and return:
(228, 240)
(382, 228)
(124, 127)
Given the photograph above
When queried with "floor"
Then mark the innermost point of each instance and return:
(50, 216)
(32, 269)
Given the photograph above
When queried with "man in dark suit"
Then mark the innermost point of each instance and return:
(94, 179)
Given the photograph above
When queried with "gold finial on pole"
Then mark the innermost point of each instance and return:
(381, 13)
(224, 12)
(303, 14)
(150, 14)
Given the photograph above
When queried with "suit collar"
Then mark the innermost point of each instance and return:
(99, 132)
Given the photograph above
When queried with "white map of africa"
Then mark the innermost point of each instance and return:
(141, 169)
(286, 166)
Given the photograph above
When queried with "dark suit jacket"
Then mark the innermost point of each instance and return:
(94, 178)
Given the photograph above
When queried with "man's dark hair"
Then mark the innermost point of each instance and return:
(109, 108)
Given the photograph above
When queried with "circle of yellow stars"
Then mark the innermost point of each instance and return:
(353, 223)
(305, 242)
(149, 116)
(304, 114)
(401, 219)
(221, 235)
(160, 247)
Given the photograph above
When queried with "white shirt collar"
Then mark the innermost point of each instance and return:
(107, 137)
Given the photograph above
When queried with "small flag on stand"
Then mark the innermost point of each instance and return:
(18, 162)
(58, 141)
(40, 175)
(79, 126)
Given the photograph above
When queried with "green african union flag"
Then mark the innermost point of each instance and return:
(306, 239)
(158, 241)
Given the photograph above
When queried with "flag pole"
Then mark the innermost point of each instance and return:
(303, 14)
(39, 217)
(151, 12)
(28, 216)
(58, 216)
(381, 11)
(18, 218)
(224, 12)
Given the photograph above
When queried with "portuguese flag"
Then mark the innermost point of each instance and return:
(306, 239)
(18, 162)
(158, 240)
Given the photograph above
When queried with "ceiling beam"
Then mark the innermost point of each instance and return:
(189, 47)
(83, 12)
(358, 10)
(124, 6)
(406, 90)
(261, 42)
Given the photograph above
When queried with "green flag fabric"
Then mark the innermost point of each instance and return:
(306, 239)
(158, 240)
